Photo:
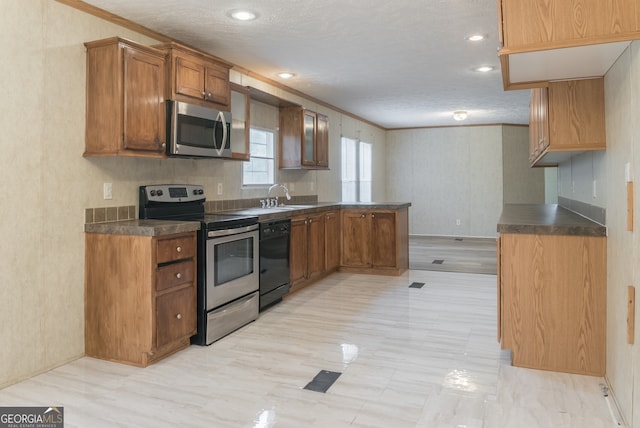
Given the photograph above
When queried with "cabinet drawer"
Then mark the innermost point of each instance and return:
(175, 315)
(175, 274)
(182, 247)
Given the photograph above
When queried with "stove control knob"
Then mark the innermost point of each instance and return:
(152, 193)
(159, 192)
(200, 192)
(195, 191)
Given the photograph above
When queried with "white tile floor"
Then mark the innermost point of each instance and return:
(408, 357)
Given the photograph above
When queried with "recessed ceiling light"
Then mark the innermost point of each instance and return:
(459, 115)
(286, 75)
(483, 69)
(242, 15)
(475, 37)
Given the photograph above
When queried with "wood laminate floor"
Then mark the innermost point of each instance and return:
(403, 357)
(450, 254)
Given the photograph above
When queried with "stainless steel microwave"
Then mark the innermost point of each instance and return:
(197, 131)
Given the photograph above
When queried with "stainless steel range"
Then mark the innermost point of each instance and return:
(228, 258)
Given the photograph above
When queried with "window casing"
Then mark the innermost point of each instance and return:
(260, 169)
(357, 170)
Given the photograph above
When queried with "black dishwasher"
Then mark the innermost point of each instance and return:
(274, 261)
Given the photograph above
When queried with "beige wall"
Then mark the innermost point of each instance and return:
(447, 174)
(575, 181)
(47, 184)
(521, 184)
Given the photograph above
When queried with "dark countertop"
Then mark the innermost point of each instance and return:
(287, 211)
(143, 227)
(546, 219)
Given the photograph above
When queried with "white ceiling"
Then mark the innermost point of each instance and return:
(400, 63)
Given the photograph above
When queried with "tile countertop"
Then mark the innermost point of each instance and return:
(143, 227)
(287, 211)
(546, 219)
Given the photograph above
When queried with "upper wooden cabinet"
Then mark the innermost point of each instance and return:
(304, 139)
(240, 122)
(566, 117)
(125, 99)
(196, 77)
(545, 40)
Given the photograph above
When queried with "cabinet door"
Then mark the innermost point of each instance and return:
(190, 77)
(499, 287)
(309, 138)
(322, 140)
(298, 250)
(240, 110)
(545, 23)
(175, 315)
(576, 117)
(356, 238)
(216, 86)
(543, 120)
(332, 239)
(316, 249)
(383, 239)
(144, 115)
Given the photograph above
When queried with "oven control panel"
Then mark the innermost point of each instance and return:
(171, 193)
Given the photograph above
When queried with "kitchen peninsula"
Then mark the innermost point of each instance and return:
(552, 289)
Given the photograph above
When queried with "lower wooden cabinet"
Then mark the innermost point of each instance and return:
(140, 296)
(332, 240)
(552, 301)
(375, 241)
(307, 249)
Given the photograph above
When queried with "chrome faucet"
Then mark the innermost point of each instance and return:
(286, 191)
(273, 202)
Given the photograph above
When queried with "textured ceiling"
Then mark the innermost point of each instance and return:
(401, 63)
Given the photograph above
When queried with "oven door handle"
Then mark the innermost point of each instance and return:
(234, 231)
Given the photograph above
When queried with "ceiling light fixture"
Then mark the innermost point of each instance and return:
(286, 75)
(483, 69)
(459, 115)
(242, 15)
(475, 37)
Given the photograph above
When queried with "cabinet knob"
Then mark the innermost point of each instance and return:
(209, 95)
(178, 275)
(373, 216)
(204, 94)
(310, 221)
(179, 249)
(179, 316)
(362, 215)
(306, 222)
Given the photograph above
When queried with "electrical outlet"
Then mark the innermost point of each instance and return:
(107, 191)
(458, 222)
(220, 189)
(594, 189)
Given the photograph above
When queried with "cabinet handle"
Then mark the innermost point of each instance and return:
(179, 249)
(178, 275)
(179, 316)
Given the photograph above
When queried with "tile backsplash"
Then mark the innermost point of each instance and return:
(130, 212)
